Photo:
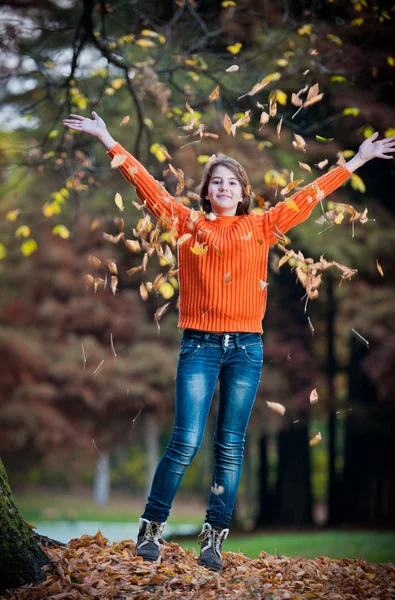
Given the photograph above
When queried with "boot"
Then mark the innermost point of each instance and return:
(149, 538)
(211, 546)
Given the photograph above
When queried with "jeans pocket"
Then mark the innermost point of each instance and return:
(254, 354)
(189, 348)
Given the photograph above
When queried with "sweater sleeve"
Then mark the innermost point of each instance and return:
(282, 217)
(156, 198)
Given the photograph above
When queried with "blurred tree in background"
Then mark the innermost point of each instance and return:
(81, 364)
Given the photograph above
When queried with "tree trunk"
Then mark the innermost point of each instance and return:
(331, 368)
(264, 510)
(293, 500)
(152, 447)
(21, 558)
(101, 489)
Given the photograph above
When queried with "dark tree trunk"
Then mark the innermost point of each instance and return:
(264, 516)
(331, 368)
(21, 559)
(368, 478)
(293, 500)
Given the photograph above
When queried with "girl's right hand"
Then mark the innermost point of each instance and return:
(95, 126)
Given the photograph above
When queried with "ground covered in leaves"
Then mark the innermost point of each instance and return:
(91, 568)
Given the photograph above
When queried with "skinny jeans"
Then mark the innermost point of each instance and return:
(235, 359)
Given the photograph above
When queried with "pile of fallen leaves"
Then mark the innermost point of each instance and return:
(90, 568)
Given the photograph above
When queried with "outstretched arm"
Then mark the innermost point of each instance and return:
(283, 217)
(149, 191)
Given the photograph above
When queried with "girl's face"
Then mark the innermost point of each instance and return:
(224, 191)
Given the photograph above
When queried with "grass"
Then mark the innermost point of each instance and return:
(38, 505)
(374, 547)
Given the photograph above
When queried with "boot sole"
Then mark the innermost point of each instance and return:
(209, 566)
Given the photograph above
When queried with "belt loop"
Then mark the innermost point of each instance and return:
(237, 341)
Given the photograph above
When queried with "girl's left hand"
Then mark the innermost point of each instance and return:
(371, 149)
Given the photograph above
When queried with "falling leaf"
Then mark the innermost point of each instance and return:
(319, 138)
(217, 250)
(132, 172)
(114, 284)
(276, 407)
(291, 186)
(313, 396)
(351, 111)
(305, 166)
(143, 292)
(339, 218)
(199, 249)
(113, 268)
(119, 202)
(279, 127)
(234, 48)
(183, 238)
(342, 161)
(114, 239)
(262, 285)
(291, 204)
(232, 69)
(214, 94)
(227, 123)
(145, 43)
(227, 278)
(22, 231)
(357, 183)
(133, 270)
(28, 247)
(118, 160)
(247, 236)
(295, 100)
(322, 164)
(166, 290)
(316, 439)
(379, 268)
(193, 215)
(299, 142)
(125, 120)
(94, 261)
(12, 215)
(159, 314)
(310, 325)
(160, 152)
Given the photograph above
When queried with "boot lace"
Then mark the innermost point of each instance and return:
(213, 538)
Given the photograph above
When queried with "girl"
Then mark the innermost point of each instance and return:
(222, 277)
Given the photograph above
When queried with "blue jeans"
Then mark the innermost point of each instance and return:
(235, 359)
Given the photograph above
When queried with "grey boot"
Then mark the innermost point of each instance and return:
(149, 538)
(211, 546)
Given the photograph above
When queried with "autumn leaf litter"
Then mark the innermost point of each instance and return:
(90, 567)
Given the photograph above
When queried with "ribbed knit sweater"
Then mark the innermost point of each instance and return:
(223, 290)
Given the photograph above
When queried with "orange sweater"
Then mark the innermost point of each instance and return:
(220, 290)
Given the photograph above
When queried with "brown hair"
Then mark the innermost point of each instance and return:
(243, 208)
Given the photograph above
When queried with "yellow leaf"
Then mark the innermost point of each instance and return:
(119, 202)
(339, 218)
(367, 131)
(276, 407)
(379, 268)
(12, 215)
(351, 111)
(109, 91)
(118, 160)
(199, 249)
(234, 48)
(22, 231)
(291, 204)
(316, 439)
(203, 158)
(390, 131)
(338, 79)
(357, 22)
(53, 133)
(279, 96)
(305, 30)
(166, 290)
(391, 61)
(228, 3)
(145, 43)
(357, 183)
(160, 152)
(28, 247)
(335, 39)
(248, 136)
(116, 84)
(61, 231)
(3, 251)
(282, 62)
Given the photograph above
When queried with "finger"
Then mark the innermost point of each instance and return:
(78, 117)
(95, 115)
(386, 156)
(373, 136)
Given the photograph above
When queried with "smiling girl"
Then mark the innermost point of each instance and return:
(223, 293)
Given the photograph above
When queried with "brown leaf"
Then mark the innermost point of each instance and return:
(313, 396)
(380, 270)
(279, 127)
(133, 245)
(133, 270)
(295, 100)
(143, 292)
(276, 407)
(159, 314)
(113, 268)
(305, 166)
(227, 278)
(316, 439)
(94, 261)
(262, 285)
(299, 142)
(118, 160)
(114, 284)
(183, 238)
(214, 94)
(227, 124)
(125, 120)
